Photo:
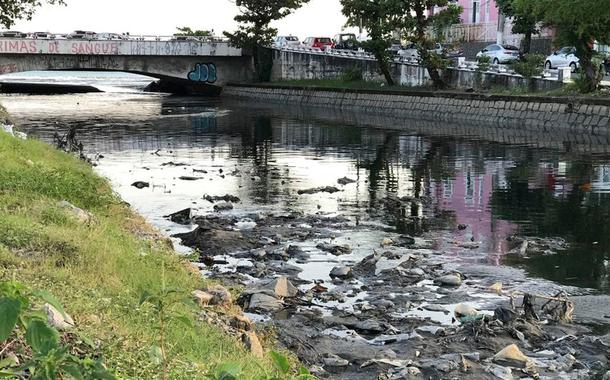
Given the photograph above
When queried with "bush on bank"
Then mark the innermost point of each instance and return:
(100, 269)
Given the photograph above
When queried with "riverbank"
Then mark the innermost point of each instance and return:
(63, 230)
(590, 115)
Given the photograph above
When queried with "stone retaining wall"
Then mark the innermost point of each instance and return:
(297, 65)
(548, 113)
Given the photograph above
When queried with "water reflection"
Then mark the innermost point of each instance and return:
(551, 188)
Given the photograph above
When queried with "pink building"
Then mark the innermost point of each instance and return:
(478, 11)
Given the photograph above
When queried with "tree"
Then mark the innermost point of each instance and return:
(422, 18)
(381, 18)
(254, 30)
(577, 23)
(12, 10)
(525, 20)
(187, 31)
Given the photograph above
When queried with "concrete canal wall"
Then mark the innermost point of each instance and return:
(295, 65)
(520, 112)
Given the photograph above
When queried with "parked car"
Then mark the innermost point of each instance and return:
(184, 38)
(82, 35)
(606, 65)
(110, 36)
(395, 47)
(346, 41)
(12, 34)
(452, 51)
(318, 42)
(410, 51)
(42, 36)
(564, 57)
(500, 53)
(286, 41)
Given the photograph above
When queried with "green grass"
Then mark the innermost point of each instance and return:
(99, 271)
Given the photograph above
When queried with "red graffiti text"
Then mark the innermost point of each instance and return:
(14, 46)
(95, 48)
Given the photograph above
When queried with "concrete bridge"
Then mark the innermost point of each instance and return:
(183, 66)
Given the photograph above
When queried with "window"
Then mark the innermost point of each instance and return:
(487, 10)
(476, 8)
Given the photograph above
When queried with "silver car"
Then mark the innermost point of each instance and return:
(500, 53)
(286, 41)
(564, 57)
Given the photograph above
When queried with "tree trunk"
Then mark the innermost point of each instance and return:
(527, 42)
(257, 63)
(385, 70)
(592, 73)
(437, 81)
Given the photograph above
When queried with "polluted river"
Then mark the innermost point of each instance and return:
(372, 248)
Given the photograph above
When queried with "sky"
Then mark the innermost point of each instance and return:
(156, 17)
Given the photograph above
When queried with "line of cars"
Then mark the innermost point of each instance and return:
(564, 57)
(349, 41)
(76, 35)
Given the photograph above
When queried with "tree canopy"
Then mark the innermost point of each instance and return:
(525, 19)
(12, 10)
(411, 19)
(254, 29)
(187, 31)
(578, 23)
(381, 18)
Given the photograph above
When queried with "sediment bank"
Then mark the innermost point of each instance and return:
(588, 115)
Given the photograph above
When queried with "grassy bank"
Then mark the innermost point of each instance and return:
(100, 270)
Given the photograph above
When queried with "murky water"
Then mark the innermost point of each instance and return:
(265, 154)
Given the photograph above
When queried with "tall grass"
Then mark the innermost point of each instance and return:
(99, 270)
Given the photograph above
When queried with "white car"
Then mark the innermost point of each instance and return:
(500, 53)
(286, 41)
(411, 51)
(563, 57)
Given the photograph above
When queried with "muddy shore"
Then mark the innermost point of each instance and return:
(360, 301)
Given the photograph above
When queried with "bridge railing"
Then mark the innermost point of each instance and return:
(121, 37)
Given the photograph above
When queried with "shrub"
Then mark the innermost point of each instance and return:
(530, 66)
(353, 74)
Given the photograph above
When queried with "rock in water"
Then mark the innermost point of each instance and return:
(464, 312)
(387, 242)
(511, 356)
(505, 315)
(252, 343)
(326, 189)
(335, 361)
(496, 288)
(344, 181)
(264, 303)
(58, 320)
(449, 280)
(180, 217)
(342, 273)
(283, 288)
(223, 206)
(336, 250)
(140, 184)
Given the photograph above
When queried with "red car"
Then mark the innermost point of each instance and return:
(319, 42)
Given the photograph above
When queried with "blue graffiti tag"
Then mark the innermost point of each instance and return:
(204, 72)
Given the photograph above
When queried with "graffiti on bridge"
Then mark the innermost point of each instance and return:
(203, 72)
